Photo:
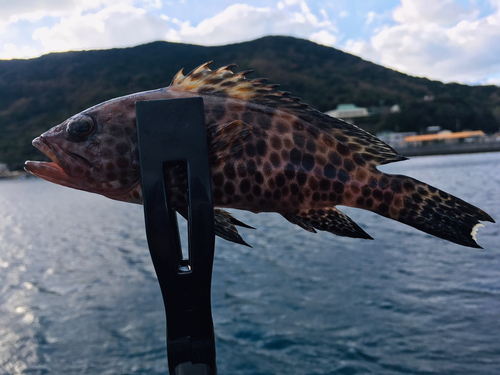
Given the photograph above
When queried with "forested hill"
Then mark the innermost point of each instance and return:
(37, 94)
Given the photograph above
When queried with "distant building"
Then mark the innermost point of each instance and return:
(447, 137)
(3, 168)
(433, 129)
(348, 112)
(395, 139)
(395, 109)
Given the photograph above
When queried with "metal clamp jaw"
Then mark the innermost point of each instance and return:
(172, 133)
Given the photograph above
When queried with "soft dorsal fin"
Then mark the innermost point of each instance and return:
(223, 81)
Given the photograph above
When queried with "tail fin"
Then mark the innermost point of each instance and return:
(424, 207)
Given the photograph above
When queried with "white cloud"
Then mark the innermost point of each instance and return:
(436, 39)
(12, 12)
(103, 29)
(61, 25)
(253, 22)
(370, 17)
(493, 81)
(11, 50)
(26, 9)
(324, 37)
(441, 12)
(153, 4)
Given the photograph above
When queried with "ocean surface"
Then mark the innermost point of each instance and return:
(78, 293)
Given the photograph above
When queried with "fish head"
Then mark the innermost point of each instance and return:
(95, 151)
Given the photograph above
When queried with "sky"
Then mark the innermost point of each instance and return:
(447, 40)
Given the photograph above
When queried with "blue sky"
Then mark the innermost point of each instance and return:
(448, 40)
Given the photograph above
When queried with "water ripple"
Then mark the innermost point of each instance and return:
(78, 292)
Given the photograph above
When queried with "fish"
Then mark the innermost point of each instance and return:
(268, 152)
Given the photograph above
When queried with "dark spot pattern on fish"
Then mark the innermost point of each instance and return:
(267, 152)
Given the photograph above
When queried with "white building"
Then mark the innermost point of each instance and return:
(348, 111)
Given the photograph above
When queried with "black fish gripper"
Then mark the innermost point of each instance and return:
(172, 134)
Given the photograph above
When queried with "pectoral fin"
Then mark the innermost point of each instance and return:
(226, 140)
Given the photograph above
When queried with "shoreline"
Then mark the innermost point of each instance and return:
(449, 149)
(435, 149)
(12, 175)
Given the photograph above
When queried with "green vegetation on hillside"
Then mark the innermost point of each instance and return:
(37, 94)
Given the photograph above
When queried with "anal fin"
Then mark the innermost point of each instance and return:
(330, 220)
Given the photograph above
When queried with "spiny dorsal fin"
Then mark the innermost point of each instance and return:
(223, 81)
(203, 80)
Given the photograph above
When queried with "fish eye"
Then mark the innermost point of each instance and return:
(82, 127)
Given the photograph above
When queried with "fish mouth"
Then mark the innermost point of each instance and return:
(68, 169)
(58, 170)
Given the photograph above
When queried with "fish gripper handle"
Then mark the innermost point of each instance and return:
(172, 136)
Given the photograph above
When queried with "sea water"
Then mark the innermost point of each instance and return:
(78, 293)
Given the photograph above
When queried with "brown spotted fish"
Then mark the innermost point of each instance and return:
(268, 152)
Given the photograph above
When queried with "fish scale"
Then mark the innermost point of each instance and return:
(268, 152)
